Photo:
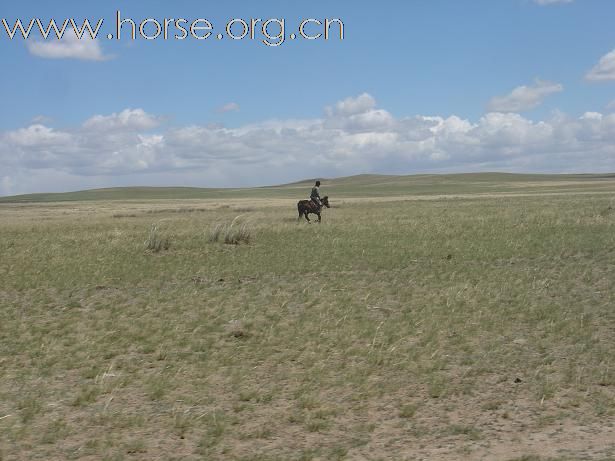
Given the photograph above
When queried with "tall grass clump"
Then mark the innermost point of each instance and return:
(231, 234)
(156, 241)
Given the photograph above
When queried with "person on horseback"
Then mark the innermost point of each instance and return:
(315, 195)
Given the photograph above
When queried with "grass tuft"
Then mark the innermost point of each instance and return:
(156, 241)
(231, 234)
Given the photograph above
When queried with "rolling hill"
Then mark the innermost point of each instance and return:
(365, 185)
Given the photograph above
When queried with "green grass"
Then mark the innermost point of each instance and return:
(396, 329)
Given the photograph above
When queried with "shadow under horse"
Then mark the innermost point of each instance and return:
(306, 207)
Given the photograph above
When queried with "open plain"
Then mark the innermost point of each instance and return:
(427, 317)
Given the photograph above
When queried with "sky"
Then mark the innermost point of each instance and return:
(414, 86)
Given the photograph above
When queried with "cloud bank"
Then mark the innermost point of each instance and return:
(353, 136)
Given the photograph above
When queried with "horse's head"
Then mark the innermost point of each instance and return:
(325, 201)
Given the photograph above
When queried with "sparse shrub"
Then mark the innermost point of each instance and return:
(183, 422)
(317, 425)
(215, 232)
(236, 329)
(437, 387)
(231, 234)
(469, 431)
(214, 430)
(157, 388)
(29, 408)
(87, 395)
(407, 411)
(156, 241)
(135, 446)
(237, 235)
(55, 431)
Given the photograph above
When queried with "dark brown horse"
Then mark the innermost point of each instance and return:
(305, 207)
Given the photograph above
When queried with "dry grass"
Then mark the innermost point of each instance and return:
(233, 233)
(156, 241)
(440, 329)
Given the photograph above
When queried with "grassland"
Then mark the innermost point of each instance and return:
(456, 317)
(368, 186)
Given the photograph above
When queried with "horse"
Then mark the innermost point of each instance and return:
(305, 207)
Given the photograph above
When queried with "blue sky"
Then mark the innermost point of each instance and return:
(415, 86)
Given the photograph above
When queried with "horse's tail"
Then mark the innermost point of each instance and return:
(299, 209)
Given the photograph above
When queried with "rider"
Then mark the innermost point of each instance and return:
(315, 195)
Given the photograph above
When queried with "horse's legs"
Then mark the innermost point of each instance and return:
(306, 216)
(318, 216)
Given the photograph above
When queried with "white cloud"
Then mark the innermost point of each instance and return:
(130, 119)
(352, 106)
(37, 135)
(591, 116)
(229, 107)
(524, 98)
(68, 47)
(134, 147)
(604, 70)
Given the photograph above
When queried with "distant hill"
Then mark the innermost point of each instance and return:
(364, 185)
